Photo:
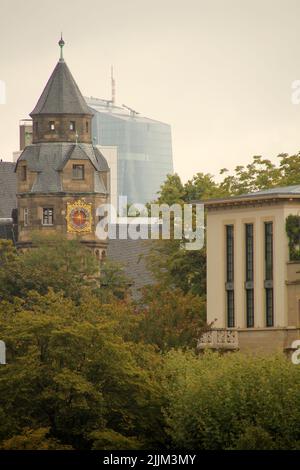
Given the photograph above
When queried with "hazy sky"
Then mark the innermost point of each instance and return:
(219, 71)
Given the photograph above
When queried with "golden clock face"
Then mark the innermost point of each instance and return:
(79, 217)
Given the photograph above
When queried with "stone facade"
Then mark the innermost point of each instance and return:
(61, 178)
(62, 128)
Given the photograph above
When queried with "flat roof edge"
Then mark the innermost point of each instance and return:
(245, 199)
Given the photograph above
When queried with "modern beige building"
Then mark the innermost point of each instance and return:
(253, 271)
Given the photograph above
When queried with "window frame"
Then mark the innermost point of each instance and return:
(249, 274)
(48, 216)
(230, 301)
(269, 273)
(75, 167)
(26, 216)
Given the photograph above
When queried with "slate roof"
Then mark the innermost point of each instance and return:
(61, 95)
(131, 254)
(49, 159)
(8, 189)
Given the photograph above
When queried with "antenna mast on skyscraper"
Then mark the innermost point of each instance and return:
(113, 87)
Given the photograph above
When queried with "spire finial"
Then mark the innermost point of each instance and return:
(61, 45)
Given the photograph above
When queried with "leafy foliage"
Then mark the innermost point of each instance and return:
(33, 439)
(88, 368)
(71, 372)
(64, 265)
(234, 401)
(170, 318)
(293, 232)
(176, 267)
(113, 282)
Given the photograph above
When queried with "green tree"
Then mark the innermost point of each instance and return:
(113, 281)
(177, 267)
(70, 371)
(172, 191)
(64, 265)
(174, 267)
(232, 401)
(169, 318)
(33, 439)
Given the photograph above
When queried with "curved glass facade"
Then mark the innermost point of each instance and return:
(144, 149)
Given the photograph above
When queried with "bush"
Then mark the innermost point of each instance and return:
(233, 401)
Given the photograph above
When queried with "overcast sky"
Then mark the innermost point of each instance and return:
(219, 71)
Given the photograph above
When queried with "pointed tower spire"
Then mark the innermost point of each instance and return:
(61, 45)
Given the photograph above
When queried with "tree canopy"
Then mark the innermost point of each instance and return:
(170, 263)
(88, 367)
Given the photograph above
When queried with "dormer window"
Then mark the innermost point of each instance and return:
(72, 125)
(51, 125)
(78, 172)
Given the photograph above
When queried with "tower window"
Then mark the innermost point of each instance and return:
(72, 125)
(86, 126)
(51, 125)
(48, 216)
(24, 173)
(78, 172)
(26, 217)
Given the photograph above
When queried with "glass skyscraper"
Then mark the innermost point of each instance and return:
(144, 148)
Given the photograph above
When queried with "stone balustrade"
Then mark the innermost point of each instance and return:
(219, 338)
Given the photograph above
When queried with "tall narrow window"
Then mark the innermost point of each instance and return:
(269, 273)
(86, 126)
(72, 125)
(230, 275)
(51, 125)
(249, 276)
(47, 216)
(26, 217)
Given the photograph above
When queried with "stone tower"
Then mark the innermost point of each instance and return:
(62, 179)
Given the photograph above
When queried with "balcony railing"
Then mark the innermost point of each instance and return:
(219, 338)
